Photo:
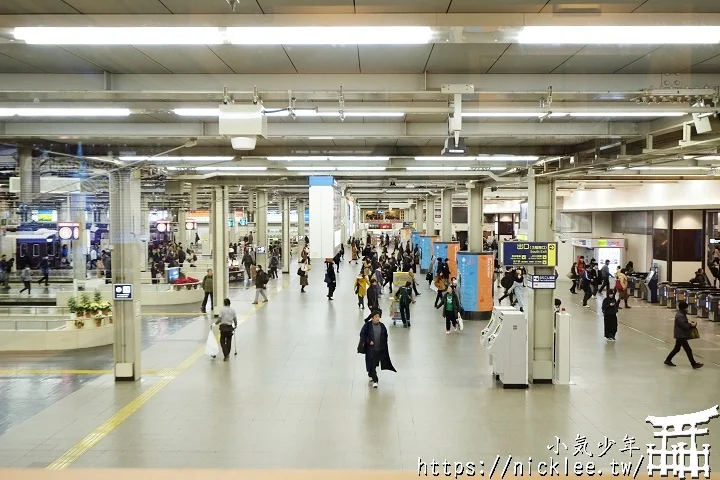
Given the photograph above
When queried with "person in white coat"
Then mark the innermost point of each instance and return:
(518, 289)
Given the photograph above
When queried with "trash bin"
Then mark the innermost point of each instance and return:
(713, 301)
(702, 304)
(663, 293)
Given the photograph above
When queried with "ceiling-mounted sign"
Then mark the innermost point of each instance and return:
(68, 230)
(529, 254)
(190, 226)
(162, 226)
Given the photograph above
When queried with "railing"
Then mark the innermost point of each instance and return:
(45, 323)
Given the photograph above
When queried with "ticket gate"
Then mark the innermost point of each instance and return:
(702, 304)
(508, 347)
(672, 288)
(692, 300)
(631, 285)
(638, 283)
(713, 302)
(663, 293)
(681, 294)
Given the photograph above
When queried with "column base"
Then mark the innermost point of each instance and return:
(516, 386)
(543, 381)
(477, 315)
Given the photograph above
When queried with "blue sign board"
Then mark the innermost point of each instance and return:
(414, 239)
(242, 222)
(529, 254)
(468, 281)
(425, 252)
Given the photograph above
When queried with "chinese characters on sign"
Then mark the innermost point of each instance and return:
(529, 254)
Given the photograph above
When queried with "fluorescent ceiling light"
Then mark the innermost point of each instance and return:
(231, 169)
(64, 112)
(360, 169)
(309, 112)
(438, 169)
(639, 113)
(502, 114)
(669, 168)
(323, 159)
(620, 35)
(371, 114)
(446, 159)
(120, 35)
(706, 157)
(329, 35)
(508, 158)
(618, 168)
(178, 159)
(321, 138)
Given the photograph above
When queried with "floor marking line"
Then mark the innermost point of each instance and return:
(68, 372)
(92, 439)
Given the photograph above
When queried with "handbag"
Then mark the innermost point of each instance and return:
(300, 272)
(694, 333)
(361, 348)
(570, 275)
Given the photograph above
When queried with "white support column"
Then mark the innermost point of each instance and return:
(540, 308)
(419, 216)
(182, 233)
(430, 216)
(80, 246)
(219, 207)
(261, 226)
(446, 221)
(193, 197)
(301, 218)
(343, 219)
(125, 267)
(26, 172)
(475, 218)
(285, 211)
(144, 232)
(324, 199)
(412, 217)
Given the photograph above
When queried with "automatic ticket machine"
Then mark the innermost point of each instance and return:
(506, 338)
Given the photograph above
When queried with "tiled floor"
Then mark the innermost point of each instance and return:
(297, 396)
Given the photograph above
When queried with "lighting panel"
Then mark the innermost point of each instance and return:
(65, 112)
(177, 159)
(119, 35)
(620, 35)
(329, 35)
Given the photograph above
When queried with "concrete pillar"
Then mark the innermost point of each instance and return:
(144, 232)
(181, 236)
(430, 216)
(219, 207)
(324, 200)
(475, 218)
(79, 247)
(65, 215)
(541, 307)
(343, 219)
(419, 216)
(285, 212)
(301, 218)
(446, 221)
(125, 266)
(193, 197)
(26, 170)
(251, 208)
(261, 227)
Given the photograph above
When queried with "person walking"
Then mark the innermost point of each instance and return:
(4, 270)
(338, 258)
(330, 277)
(518, 290)
(207, 286)
(450, 309)
(361, 286)
(374, 343)
(574, 277)
(604, 277)
(411, 275)
(441, 283)
(261, 281)
(248, 262)
(621, 285)
(586, 286)
(404, 299)
(303, 272)
(227, 322)
(372, 296)
(26, 277)
(609, 311)
(274, 266)
(683, 331)
(45, 271)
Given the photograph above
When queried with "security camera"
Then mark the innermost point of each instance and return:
(563, 241)
(232, 4)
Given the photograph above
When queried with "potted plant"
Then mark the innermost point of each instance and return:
(73, 307)
(98, 320)
(105, 307)
(79, 323)
(85, 305)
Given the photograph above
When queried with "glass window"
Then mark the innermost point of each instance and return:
(36, 250)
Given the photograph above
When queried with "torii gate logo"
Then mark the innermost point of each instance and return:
(680, 461)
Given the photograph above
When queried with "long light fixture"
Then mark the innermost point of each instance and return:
(334, 169)
(446, 159)
(507, 158)
(620, 35)
(638, 113)
(502, 114)
(360, 169)
(310, 169)
(324, 158)
(177, 159)
(704, 158)
(120, 35)
(64, 112)
(329, 35)
(441, 169)
(231, 169)
(669, 168)
(309, 112)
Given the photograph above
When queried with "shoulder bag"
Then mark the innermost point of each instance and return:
(694, 333)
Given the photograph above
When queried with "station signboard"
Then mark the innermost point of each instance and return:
(529, 254)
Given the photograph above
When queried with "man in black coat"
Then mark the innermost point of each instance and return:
(374, 340)
(372, 295)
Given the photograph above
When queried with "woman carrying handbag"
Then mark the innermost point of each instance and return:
(684, 330)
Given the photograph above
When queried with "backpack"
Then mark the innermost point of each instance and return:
(403, 296)
(262, 278)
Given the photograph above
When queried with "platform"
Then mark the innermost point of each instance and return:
(297, 395)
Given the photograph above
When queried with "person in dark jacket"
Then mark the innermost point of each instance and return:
(609, 311)
(682, 333)
(372, 295)
(248, 262)
(338, 257)
(45, 271)
(207, 286)
(261, 280)
(574, 277)
(586, 286)
(451, 309)
(374, 338)
(330, 278)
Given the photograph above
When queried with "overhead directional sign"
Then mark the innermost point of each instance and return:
(530, 254)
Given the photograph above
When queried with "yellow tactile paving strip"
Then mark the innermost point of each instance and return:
(84, 445)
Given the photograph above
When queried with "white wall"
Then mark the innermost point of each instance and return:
(638, 248)
(684, 194)
(686, 220)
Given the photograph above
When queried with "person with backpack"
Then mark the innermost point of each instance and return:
(441, 283)
(621, 285)
(518, 290)
(507, 282)
(261, 280)
(330, 278)
(683, 331)
(404, 299)
(450, 308)
(274, 266)
(586, 286)
(609, 311)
